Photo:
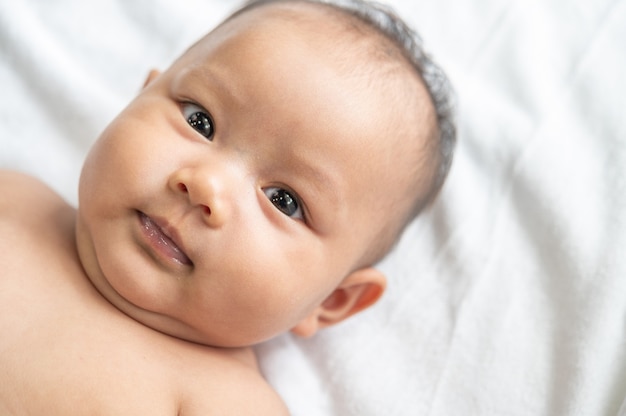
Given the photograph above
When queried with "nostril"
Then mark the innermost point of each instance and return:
(207, 210)
(182, 187)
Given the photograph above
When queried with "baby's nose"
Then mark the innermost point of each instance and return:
(204, 190)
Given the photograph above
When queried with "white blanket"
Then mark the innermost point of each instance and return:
(508, 297)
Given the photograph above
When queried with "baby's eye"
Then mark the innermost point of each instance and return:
(199, 119)
(284, 201)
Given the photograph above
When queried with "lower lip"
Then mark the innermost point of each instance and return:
(161, 243)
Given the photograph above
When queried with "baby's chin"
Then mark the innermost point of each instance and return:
(177, 328)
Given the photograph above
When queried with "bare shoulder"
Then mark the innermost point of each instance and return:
(240, 390)
(18, 185)
(23, 194)
(256, 397)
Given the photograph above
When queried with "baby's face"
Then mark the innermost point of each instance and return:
(239, 188)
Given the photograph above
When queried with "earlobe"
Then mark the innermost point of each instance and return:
(358, 291)
(152, 75)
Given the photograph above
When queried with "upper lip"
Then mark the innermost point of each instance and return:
(169, 231)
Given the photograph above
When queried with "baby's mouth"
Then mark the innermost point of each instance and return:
(162, 240)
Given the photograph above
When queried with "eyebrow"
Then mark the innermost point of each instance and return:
(208, 76)
(323, 184)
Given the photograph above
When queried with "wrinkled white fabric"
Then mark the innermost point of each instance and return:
(508, 297)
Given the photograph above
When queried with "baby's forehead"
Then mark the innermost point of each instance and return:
(360, 49)
(343, 32)
(302, 12)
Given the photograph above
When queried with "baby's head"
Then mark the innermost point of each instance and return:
(250, 188)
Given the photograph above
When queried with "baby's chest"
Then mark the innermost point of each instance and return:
(63, 351)
(66, 363)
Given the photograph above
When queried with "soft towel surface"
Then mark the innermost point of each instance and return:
(508, 297)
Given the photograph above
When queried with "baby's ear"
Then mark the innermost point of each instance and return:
(360, 290)
(152, 75)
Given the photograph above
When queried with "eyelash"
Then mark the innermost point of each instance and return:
(282, 199)
(199, 119)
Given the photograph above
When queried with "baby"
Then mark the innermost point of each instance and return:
(247, 190)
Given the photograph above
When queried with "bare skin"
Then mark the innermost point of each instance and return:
(192, 244)
(68, 343)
